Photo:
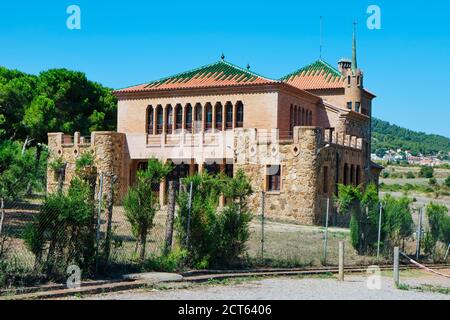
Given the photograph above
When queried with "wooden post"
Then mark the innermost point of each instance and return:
(341, 260)
(170, 216)
(396, 266)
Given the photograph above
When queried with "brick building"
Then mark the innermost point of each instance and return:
(296, 137)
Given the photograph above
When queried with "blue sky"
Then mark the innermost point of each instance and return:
(122, 43)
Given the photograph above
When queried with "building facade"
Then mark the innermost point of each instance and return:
(297, 138)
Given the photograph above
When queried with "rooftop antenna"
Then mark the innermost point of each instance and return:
(321, 38)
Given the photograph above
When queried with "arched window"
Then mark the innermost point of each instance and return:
(178, 116)
(345, 176)
(219, 116)
(159, 119)
(229, 115)
(209, 115)
(149, 120)
(189, 117)
(198, 117)
(310, 118)
(169, 119)
(239, 114)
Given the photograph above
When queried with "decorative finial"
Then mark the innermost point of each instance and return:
(248, 66)
(321, 38)
(222, 57)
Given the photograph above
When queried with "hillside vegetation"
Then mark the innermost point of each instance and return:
(387, 136)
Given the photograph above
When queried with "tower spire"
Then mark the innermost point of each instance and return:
(354, 61)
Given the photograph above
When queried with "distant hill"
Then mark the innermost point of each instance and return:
(387, 136)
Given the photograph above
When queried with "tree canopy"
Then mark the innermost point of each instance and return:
(57, 100)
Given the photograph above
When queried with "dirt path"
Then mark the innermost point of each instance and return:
(354, 288)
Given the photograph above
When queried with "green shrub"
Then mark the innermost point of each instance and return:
(141, 203)
(410, 175)
(215, 236)
(426, 172)
(447, 182)
(439, 227)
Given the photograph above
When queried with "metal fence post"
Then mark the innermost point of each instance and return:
(325, 245)
(170, 216)
(262, 224)
(341, 260)
(2, 213)
(99, 216)
(110, 201)
(379, 231)
(419, 234)
(396, 266)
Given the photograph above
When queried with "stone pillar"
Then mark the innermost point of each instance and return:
(224, 117)
(155, 114)
(162, 192)
(183, 119)
(213, 118)
(164, 128)
(234, 116)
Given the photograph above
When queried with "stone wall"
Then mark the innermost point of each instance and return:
(108, 149)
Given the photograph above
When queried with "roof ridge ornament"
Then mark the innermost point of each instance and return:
(222, 57)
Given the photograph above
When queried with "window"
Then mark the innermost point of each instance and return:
(345, 177)
(229, 115)
(159, 119)
(357, 106)
(198, 117)
(218, 116)
(349, 80)
(291, 118)
(303, 122)
(229, 170)
(212, 168)
(178, 116)
(325, 179)
(349, 105)
(239, 114)
(208, 116)
(150, 120)
(274, 178)
(352, 174)
(189, 117)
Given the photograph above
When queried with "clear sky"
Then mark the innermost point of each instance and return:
(122, 43)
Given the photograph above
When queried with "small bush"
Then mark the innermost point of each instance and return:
(426, 172)
(410, 175)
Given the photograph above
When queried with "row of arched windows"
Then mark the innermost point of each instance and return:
(352, 174)
(300, 117)
(190, 117)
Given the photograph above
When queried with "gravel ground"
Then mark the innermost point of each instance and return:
(354, 288)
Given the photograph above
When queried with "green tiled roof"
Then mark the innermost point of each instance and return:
(218, 71)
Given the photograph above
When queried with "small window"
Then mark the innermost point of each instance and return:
(188, 117)
(218, 116)
(150, 120)
(274, 178)
(349, 80)
(178, 116)
(349, 105)
(229, 116)
(208, 116)
(357, 106)
(239, 115)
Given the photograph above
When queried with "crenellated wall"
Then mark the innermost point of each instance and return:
(109, 153)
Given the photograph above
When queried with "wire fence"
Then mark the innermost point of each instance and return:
(272, 243)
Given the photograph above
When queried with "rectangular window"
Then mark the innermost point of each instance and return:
(325, 180)
(274, 178)
(349, 105)
(357, 106)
